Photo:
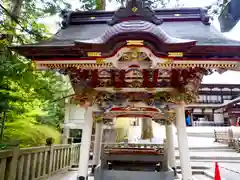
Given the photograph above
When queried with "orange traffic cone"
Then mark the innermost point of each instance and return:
(217, 172)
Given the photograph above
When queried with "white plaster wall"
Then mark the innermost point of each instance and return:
(134, 133)
(76, 116)
(218, 118)
(236, 131)
(208, 110)
(197, 110)
(76, 112)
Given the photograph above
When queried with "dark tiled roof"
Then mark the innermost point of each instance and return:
(181, 24)
(203, 34)
(194, 30)
(81, 32)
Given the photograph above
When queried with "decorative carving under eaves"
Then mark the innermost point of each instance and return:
(150, 102)
(134, 55)
(135, 84)
(133, 73)
(183, 79)
(171, 118)
(160, 121)
(85, 95)
(98, 118)
(106, 100)
(104, 73)
(176, 97)
(186, 96)
(105, 83)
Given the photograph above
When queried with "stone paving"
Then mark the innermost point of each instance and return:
(201, 177)
(70, 175)
(228, 171)
(213, 155)
(206, 151)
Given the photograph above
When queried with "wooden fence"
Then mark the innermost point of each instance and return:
(37, 163)
(230, 136)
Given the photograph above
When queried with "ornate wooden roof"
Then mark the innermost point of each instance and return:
(159, 115)
(185, 30)
(136, 50)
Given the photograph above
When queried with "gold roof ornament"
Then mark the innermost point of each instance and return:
(134, 55)
(134, 9)
(99, 60)
(135, 42)
(94, 54)
(175, 54)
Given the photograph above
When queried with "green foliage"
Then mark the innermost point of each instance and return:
(3, 146)
(88, 5)
(52, 7)
(217, 8)
(30, 134)
(29, 97)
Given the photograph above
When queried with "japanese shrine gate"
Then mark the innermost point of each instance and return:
(135, 62)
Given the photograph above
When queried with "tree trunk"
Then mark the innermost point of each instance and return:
(14, 11)
(147, 131)
(100, 4)
(15, 8)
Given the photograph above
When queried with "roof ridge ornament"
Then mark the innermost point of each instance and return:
(135, 10)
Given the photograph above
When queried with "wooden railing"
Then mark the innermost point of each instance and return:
(222, 136)
(37, 163)
(230, 137)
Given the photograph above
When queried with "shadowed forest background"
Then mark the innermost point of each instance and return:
(32, 102)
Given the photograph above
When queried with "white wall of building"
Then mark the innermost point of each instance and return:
(76, 116)
(76, 113)
(218, 115)
(218, 118)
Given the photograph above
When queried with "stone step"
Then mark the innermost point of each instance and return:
(201, 177)
(211, 161)
(208, 134)
(194, 168)
(220, 147)
(213, 150)
(202, 174)
(213, 158)
(199, 174)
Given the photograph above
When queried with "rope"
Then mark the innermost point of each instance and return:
(230, 170)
